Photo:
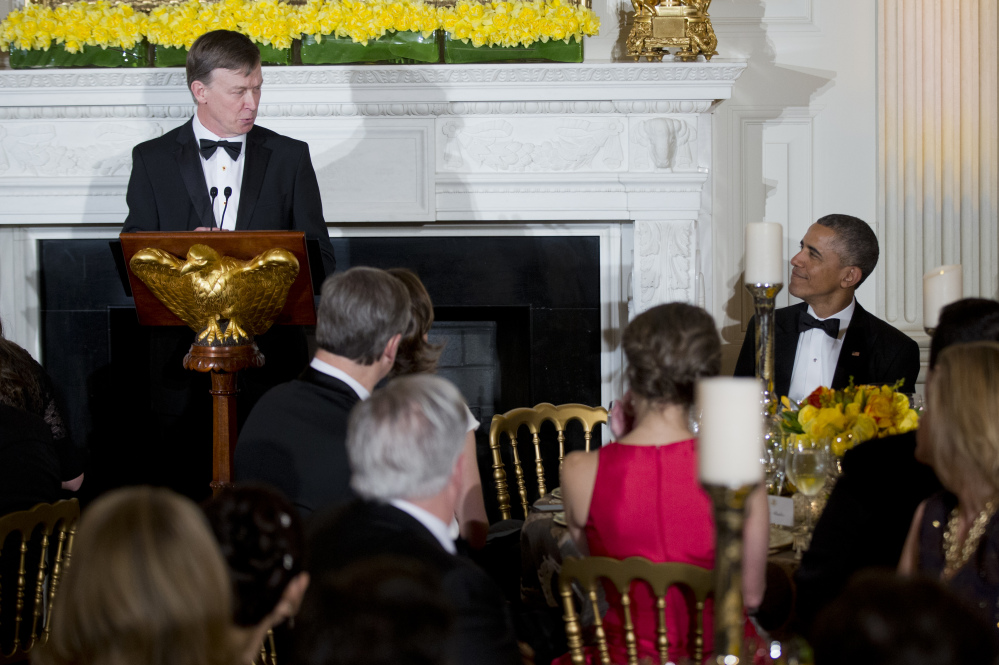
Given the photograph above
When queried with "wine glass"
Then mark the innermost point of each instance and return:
(773, 456)
(807, 466)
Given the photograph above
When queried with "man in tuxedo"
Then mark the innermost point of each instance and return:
(829, 338)
(406, 446)
(869, 512)
(219, 171)
(294, 437)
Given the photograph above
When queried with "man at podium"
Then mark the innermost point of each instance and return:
(219, 171)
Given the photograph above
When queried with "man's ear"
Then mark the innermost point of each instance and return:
(198, 90)
(391, 348)
(457, 479)
(850, 277)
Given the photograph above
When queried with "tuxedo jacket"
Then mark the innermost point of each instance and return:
(167, 190)
(872, 351)
(295, 439)
(866, 520)
(482, 631)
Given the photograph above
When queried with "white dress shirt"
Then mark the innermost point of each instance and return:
(817, 354)
(442, 532)
(338, 373)
(222, 171)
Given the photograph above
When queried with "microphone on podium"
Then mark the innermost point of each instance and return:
(213, 192)
(227, 192)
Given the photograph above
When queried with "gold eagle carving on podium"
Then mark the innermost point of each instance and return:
(226, 301)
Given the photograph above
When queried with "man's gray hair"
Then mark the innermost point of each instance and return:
(360, 310)
(404, 440)
(856, 243)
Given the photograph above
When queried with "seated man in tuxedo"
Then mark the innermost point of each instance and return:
(406, 446)
(294, 437)
(219, 171)
(867, 517)
(829, 338)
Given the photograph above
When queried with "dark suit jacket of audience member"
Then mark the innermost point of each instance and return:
(482, 633)
(295, 439)
(29, 465)
(167, 190)
(865, 521)
(872, 352)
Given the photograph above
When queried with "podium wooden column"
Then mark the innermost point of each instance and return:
(223, 362)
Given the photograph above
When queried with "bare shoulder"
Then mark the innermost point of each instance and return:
(580, 463)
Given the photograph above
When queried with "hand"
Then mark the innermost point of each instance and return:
(622, 416)
(209, 228)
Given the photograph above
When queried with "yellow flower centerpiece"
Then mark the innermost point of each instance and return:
(84, 34)
(850, 416)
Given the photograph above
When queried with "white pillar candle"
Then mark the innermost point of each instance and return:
(764, 253)
(730, 439)
(941, 286)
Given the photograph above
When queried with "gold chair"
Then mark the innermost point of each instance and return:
(508, 423)
(49, 523)
(268, 650)
(660, 576)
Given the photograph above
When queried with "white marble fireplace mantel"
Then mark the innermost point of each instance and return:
(617, 150)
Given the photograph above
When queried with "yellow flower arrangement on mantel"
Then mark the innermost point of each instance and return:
(275, 25)
(266, 22)
(516, 23)
(364, 20)
(73, 26)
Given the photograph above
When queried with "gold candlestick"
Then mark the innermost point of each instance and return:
(729, 630)
(763, 301)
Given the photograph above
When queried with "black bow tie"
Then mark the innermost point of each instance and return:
(807, 322)
(208, 148)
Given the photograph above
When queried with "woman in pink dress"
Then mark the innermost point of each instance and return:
(640, 496)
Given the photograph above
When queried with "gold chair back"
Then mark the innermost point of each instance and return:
(268, 650)
(33, 592)
(588, 572)
(510, 422)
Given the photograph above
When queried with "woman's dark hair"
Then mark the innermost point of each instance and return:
(381, 611)
(263, 542)
(416, 355)
(19, 385)
(669, 348)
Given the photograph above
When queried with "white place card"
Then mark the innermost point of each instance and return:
(781, 510)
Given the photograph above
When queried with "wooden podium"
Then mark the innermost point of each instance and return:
(224, 362)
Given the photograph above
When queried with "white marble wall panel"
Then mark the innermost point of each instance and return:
(369, 169)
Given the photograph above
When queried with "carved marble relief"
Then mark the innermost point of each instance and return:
(536, 145)
(663, 144)
(51, 149)
(665, 265)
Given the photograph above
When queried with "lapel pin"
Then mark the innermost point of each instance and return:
(855, 353)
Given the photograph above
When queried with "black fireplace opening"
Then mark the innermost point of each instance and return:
(519, 317)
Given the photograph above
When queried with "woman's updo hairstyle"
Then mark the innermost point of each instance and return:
(669, 348)
(263, 542)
